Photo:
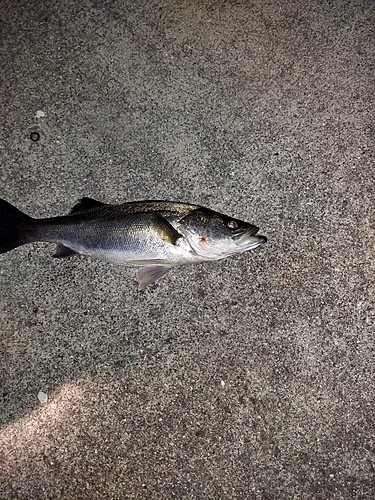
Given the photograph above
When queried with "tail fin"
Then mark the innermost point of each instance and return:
(14, 227)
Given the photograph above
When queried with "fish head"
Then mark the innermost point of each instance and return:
(214, 236)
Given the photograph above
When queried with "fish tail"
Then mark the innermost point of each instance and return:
(15, 227)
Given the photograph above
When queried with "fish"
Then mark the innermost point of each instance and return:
(154, 236)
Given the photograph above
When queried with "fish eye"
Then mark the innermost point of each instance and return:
(232, 224)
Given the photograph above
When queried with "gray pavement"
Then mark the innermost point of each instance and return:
(249, 378)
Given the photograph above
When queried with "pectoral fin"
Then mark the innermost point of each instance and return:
(163, 228)
(149, 274)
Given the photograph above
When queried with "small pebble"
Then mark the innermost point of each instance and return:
(42, 396)
(40, 114)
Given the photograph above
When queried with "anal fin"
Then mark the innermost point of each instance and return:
(149, 274)
(62, 251)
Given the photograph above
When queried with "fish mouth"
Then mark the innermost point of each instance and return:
(246, 240)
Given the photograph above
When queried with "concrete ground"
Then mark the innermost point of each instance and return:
(249, 378)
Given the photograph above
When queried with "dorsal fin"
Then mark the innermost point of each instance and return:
(85, 204)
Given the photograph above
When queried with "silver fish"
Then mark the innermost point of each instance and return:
(154, 235)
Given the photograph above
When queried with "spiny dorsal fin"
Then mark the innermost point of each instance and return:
(85, 204)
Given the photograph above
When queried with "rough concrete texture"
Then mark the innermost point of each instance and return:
(249, 378)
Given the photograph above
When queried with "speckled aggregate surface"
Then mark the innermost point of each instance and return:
(249, 378)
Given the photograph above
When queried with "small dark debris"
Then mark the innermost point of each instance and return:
(34, 136)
